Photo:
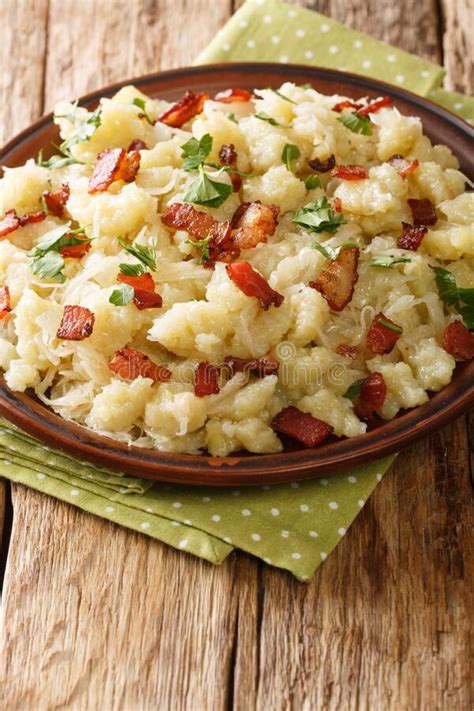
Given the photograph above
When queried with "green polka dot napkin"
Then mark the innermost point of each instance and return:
(292, 526)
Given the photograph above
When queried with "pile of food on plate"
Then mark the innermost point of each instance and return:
(211, 274)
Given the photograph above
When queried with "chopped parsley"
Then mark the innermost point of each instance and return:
(462, 299)
(269, 119)
(123, 295)
(203, 245)
(390, 326)
(195, 152)
(356, 123)
(145, 255)
(312, 181)
(354, 390)
(206, 191)
(282, 96)
(48, 262)
(388, 261)
(289, 154)
(232, 117)
(328, 252)
(84, 128)
(133, 270)
(319, 216)
(56, 161)
(141, 104)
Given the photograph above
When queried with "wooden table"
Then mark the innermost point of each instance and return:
(96, 617)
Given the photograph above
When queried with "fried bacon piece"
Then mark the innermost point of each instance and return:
(349, 172)
(337, 281)
(76, 251)
(228, 156)
(346, 105)
(5, 301)
(206, 380)
(184, 110)
(12, 221)
(57, 199)
(265, 365)
(375, 106)
(459, 341)
(347, 351)
(372, 396)
(229, 95)
(254, 223)
(423, 211)
(323, 166)
(411, 237)
(131, 364)
(403, 166)
(382, 334)
(301, 426)
(76, 324)
(251, 283)
(144, 287)
(111, 165)
(137, 145)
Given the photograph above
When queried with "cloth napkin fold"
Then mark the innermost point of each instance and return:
(292, 526)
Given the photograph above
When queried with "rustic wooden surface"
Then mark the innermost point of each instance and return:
(95, 616)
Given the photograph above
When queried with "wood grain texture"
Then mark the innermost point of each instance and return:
(95, 616)
(458, 43)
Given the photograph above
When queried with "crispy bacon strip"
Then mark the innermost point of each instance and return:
(57, 199)
(5, 302)
(375, 106)
(111, 165)
(301, 426)
(137, 145)
(459, 341)
(323, 166)
(230, 95)
(251, 283)
(423, 211)
(381, 339)
(206, 380)
(403, 166)
(228, 156)
(411, 237)
(184, 110)
(346, 105)
(144, 287)
(131, 364)
(347, 351)
(254, 223)
(76, 251)
(76, 324)
(349, 172)
(265, 365)
(337, 281)
(372, 396)
(32, 217)
(12, 221)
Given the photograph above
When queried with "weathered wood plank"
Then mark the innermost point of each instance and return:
(458, 43)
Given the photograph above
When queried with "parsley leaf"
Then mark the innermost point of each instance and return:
(123, 295)
(195, 152)
(203, 245)
(56, 161)
(47, 260)
(84, 129)
(328, 252)
(462, 299)
(388, 261)
(282, 96)
(145, 255)
(142, 106)
(356, 123)
(312, 181)
(265, 117)
(354, 390)
(390, 326)
(289, 154)
(232, 117)
(319, 216)
(205, 191)
(49, 266)
(132, 269)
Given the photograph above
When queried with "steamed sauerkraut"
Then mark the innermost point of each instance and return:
(341, 314)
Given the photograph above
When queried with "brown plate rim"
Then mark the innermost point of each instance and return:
(453, 401)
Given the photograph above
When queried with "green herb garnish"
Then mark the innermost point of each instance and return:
(206, 191)
(356, 123)
(319, 216)
(195, 152)
(142, 106)
(265, 117)
(282, 96)
(232, 117)
(56, 161)
(203, 245)
(354, 390)
(132, 270)
(289, 154)
(388, 261)
(461, 298)
(123, 295)
(84, 129)
(145, 255)
(312, 181)
(328, 252)
(390, 326)
(48, 263)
